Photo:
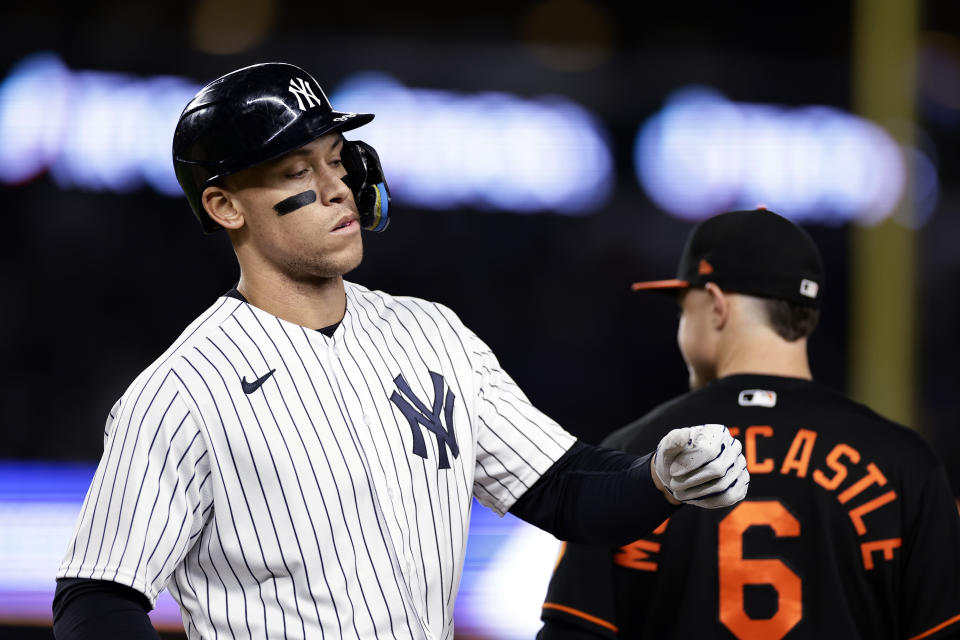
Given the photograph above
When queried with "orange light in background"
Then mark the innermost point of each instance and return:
(569, 35)
(224, 27)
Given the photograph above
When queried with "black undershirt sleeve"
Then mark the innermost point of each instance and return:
(595, 496)
(96, 609)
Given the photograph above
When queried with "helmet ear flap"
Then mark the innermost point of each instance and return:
(366, 181)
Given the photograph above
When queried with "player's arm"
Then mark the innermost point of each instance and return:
(582, 598)
(604, 497)
(86, 609)
(595, 496)
(147, 503)
(931, 574)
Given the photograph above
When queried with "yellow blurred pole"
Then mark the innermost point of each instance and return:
(883, 318)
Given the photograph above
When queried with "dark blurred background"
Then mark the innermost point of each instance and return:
(95, 284)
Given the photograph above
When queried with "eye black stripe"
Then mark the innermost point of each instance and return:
(291, 204)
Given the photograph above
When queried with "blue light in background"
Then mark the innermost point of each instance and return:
(703, 154)
(92, 130)
(32, 113)
(441, 149)
(487, 150)
(39, 505)
(506, 567)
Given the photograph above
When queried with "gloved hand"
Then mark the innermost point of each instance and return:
(702, 466)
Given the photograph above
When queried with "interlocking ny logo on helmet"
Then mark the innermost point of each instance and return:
(302, 90)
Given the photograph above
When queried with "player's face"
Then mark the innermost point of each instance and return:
(696, 336)
(317, 240)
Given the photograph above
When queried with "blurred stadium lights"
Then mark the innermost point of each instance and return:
(108, 131)
(486, 150)
(703, 154)
(92, 130)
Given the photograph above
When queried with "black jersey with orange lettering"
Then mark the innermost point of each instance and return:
(849, 530)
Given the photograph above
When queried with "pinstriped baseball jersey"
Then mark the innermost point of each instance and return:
(286, 484)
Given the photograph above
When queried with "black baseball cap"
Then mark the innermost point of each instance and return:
(755, 252)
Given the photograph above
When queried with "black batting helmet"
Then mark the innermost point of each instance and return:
(246, 117)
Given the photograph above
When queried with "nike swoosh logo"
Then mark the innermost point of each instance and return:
(250, 387)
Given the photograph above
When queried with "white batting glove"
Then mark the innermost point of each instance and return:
(702, 466)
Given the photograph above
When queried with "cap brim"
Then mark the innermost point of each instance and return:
(346, 120)
(660, 285)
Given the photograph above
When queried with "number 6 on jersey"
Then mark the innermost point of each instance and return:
(736, 571)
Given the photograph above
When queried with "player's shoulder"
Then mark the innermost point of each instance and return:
(203, 327)
(905, 443)
(173, 363)
(397, 306)
(857, 422)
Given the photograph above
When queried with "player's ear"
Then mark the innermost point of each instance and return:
(220, 205)
(719, 306)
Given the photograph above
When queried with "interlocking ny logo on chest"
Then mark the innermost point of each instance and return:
(431, 419)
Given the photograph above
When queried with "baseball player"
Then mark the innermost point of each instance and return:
(301, 462)
(850, 529)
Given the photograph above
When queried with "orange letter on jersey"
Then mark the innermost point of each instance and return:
(635, 556)
(798, 457)
(873, 477)
(857, 514)
(839, 470)
(887, 546)
(750, 449)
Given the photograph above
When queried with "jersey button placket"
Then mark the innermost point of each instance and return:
(378, 483)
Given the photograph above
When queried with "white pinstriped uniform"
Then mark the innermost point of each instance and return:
(302, 510)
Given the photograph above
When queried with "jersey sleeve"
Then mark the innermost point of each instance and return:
(516, 442)
(150, 495)
(931, 577)
(580, 599)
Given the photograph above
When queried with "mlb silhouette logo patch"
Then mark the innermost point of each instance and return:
(757, 398)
